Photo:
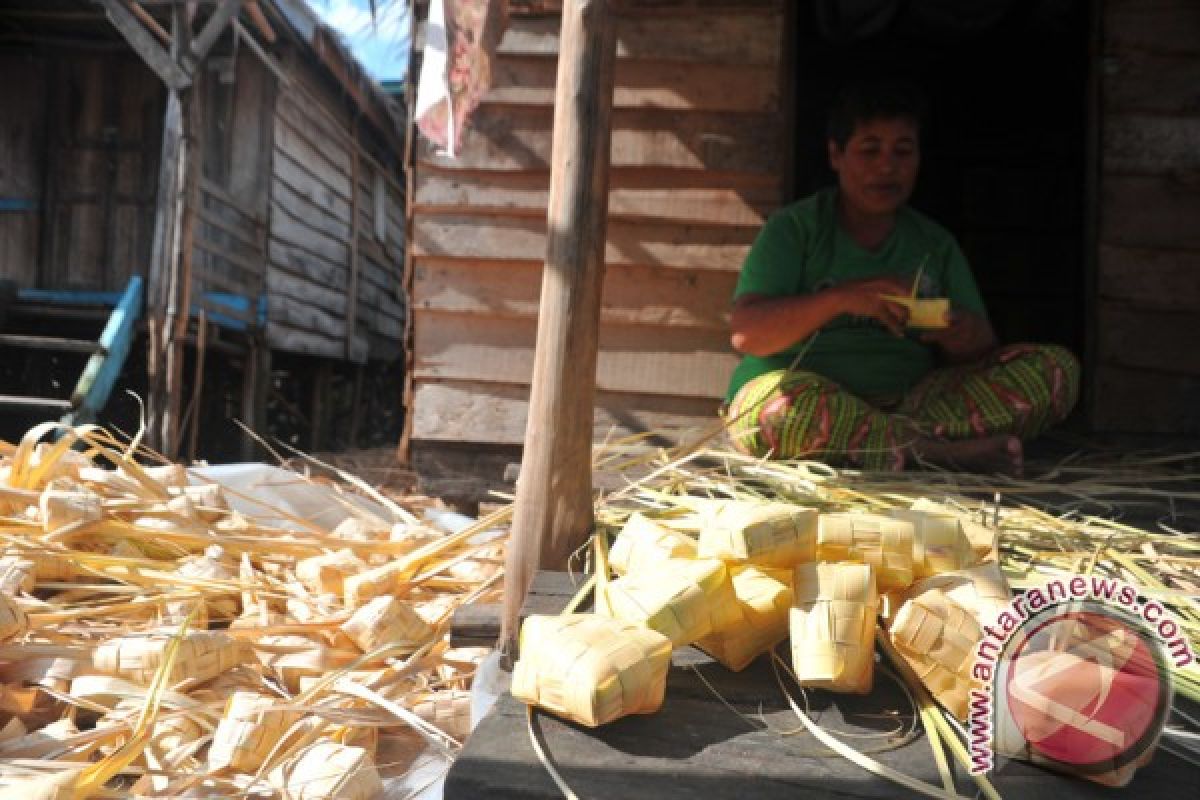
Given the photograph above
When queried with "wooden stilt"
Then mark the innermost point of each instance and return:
(163, 262)
(256, 386)
(162, 298)
(319, 405)
(554, 492)
(198, 384)
(356, 405)
(179, 303)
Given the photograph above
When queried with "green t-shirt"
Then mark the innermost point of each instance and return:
(802, 249)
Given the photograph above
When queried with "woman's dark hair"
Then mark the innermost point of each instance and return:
(870, 100)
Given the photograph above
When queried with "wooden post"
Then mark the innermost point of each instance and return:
(180, 301)
(198, 384)
(553, 513)
(256, 385)
(171, 246)
(355, 406)
(163, 261)
(352, 288)
(322, 376)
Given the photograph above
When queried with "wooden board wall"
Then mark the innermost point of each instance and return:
(323, 269)
(698, 155)
(79, 142)
(235, 101)
(1148, 374)
(22, 151)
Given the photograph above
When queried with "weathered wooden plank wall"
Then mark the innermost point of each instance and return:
(79, 138)
(22, 149)
(698, 155)
(235, 96)
(105, 125)
(1148, 375)
(327, 273)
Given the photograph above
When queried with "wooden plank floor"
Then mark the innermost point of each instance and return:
(697, 747)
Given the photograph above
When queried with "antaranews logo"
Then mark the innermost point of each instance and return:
(1075, 675)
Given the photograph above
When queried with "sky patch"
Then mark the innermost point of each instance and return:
(379, 42)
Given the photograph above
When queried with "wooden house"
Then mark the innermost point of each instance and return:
(698, 142)
(291, 216)
(1144, 191)
(1068, 176)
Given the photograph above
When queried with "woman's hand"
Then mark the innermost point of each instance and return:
(966, 337)
(763, 325)
(864, 298)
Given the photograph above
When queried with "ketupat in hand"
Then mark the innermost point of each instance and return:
(929, 313)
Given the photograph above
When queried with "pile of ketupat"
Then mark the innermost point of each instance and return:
(737, 555)
(157, 641)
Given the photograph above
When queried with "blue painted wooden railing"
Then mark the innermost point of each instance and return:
(104, 367)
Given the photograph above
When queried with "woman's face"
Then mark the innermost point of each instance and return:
(878, 167)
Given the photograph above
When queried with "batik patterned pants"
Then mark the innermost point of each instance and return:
(1020, 389)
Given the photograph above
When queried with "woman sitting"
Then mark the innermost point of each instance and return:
(831, 369)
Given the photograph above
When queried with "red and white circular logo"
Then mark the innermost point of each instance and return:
(1087, 689)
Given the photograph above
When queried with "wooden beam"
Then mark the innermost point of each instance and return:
(217, 22)
(352, 289)
(260, 21)
(149, 21)
(554, 495)
(144, 44)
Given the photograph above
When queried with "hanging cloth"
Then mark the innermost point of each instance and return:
(460, 42)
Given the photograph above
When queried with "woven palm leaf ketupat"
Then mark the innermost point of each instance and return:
(590, 668)
(207, 500)
(248, 731)
(171, 730)
(765, 598)
(643, 543)
(926, 313)
(291, 658)
(883, 542)
(939, 544)
(448, 710)
(13, 622)
(681, 599)
(328, 771)
(52, 565)
(110, 563)
(326, 574)
(833, 626)
(981, 589)
(763, 534)
(65, 502)
(212, 566)
(984, 540)
(385, 620)
(202, 655)
(938, 637)
(381, 580)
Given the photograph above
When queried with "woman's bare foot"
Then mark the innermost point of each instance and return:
(1001, 454)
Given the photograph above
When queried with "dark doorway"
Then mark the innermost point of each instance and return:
(1004, 154)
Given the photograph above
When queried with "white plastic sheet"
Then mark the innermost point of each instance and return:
(261, 491)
